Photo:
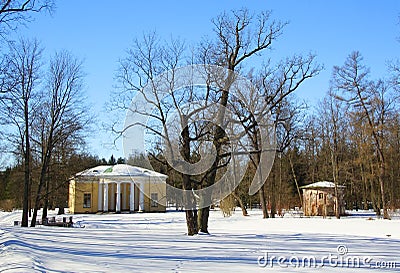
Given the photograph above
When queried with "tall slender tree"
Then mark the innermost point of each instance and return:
(63, 116)
(372, 100)
(20, 102)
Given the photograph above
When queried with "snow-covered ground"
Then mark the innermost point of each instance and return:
(157, 242)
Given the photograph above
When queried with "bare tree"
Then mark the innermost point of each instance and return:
(332, 120)
(19, 103)
(15, 12)
(145, 61)
(240, 36)
(274, 86)
(63, 115)
(373, 101)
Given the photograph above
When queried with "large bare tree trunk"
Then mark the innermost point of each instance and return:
(191, 213)
(204, 213)
(191, 222)
(263, 201)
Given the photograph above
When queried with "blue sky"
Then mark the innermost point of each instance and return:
(100, 31)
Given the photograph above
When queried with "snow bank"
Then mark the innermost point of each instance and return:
(157, 242)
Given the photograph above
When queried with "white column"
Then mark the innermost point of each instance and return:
(123, 204)
(105, 199)
(141, 197)
(118, 203)
(132, 198)
(100, 196)
(112, 197)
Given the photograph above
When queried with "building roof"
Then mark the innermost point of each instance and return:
(321, 184)
(119, 170)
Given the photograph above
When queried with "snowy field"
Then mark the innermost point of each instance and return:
(157, 242)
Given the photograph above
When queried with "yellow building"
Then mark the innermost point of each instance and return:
(117, 188)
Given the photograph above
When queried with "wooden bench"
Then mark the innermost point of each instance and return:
(297, 212)
(52, 222)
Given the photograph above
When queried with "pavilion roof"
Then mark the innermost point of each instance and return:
(119, 170)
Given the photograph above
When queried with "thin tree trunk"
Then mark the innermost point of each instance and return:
(46, 202)
(335, 181)
(295, 180)
(381, 159)
(27, 171)
(241, 204)
(364, 186)
(30, 198)
(25, 208)
(280, 186)
(42, 179)
(375, 202)
(381, 184)
(273, 196)
(392, 188)
(262, 190)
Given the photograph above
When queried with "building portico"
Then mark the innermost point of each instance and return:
(117, 188)
(121, 201)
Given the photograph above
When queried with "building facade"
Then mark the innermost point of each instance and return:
(117, 188)
(319, 199)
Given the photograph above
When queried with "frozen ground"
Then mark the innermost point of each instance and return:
(157, 243)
